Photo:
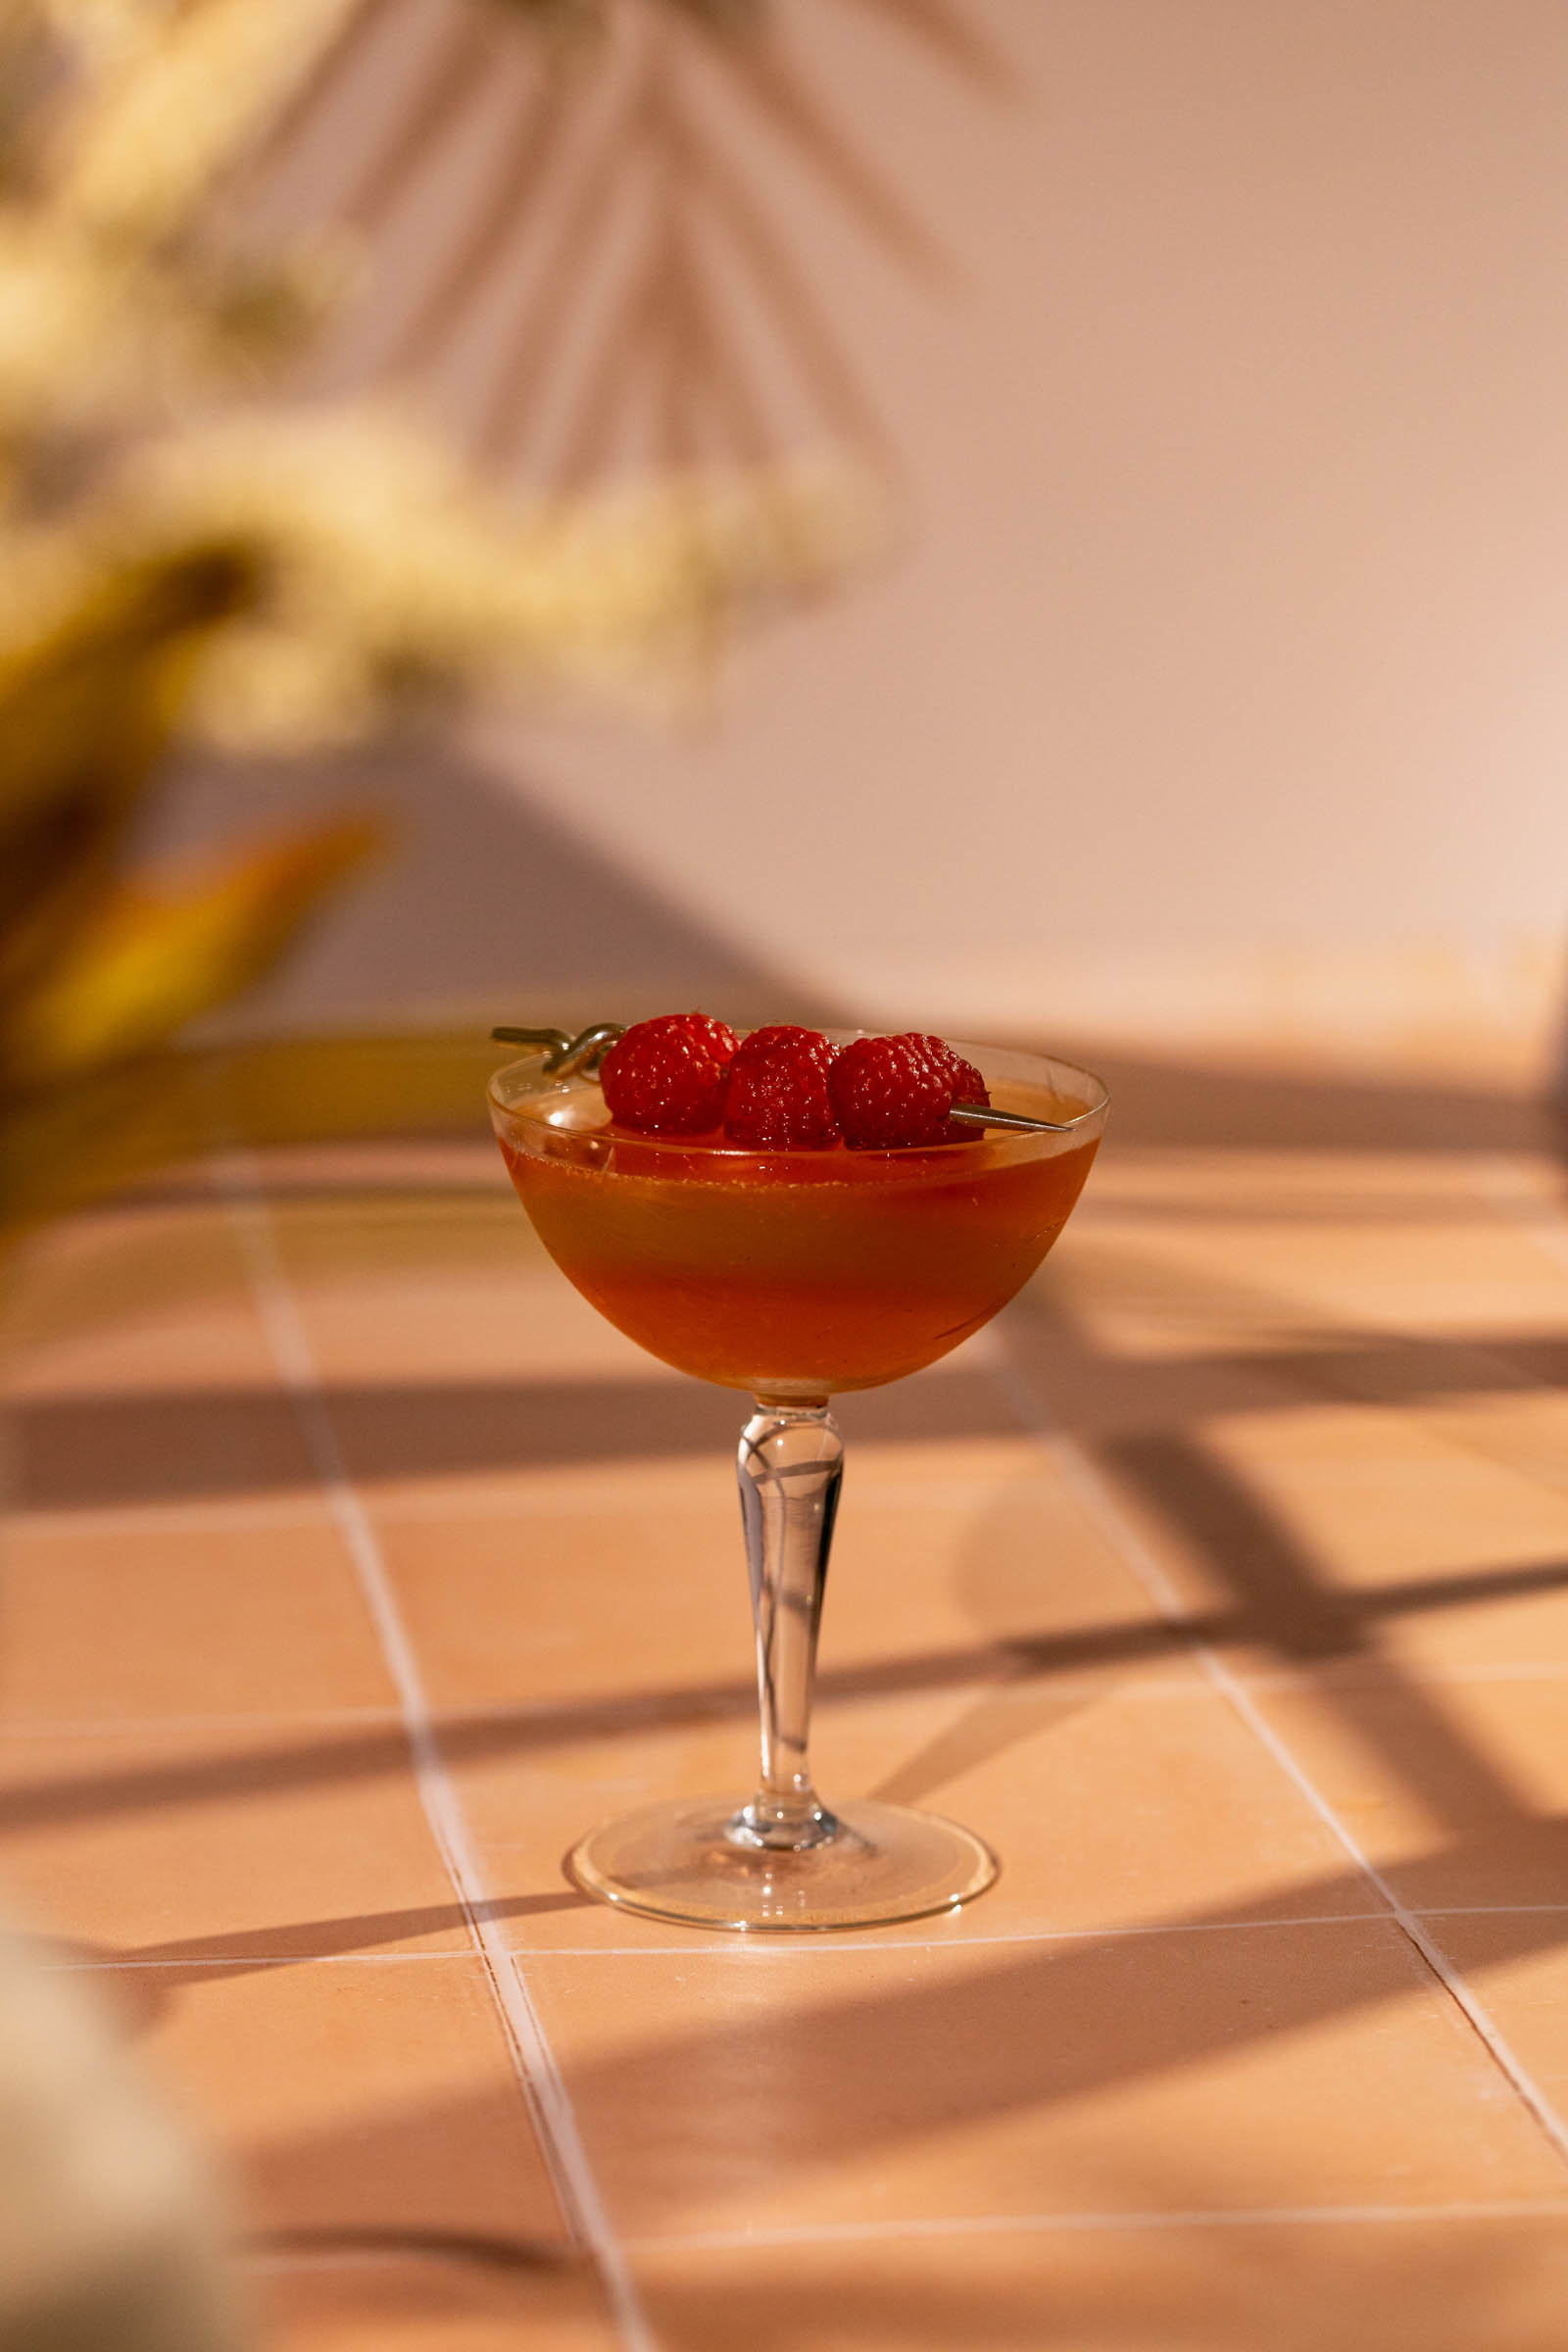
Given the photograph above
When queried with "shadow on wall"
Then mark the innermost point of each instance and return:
(489, 908)
(485, 906)
(1181, 1100)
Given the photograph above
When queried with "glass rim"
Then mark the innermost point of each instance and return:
(1058, 1134)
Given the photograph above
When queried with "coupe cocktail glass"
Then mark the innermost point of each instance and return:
(793, 1275)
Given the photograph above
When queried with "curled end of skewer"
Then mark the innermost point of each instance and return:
(567, 1055)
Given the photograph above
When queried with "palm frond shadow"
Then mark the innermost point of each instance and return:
(613, 287)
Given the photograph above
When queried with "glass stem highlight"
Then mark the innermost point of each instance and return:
(790, 1464)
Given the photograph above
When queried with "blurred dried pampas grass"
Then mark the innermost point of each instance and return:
(183, 553)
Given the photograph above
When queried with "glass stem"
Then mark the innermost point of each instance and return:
(791, 1462)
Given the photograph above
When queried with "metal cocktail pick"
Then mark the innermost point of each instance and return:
(980, 1115)
(569, 1054)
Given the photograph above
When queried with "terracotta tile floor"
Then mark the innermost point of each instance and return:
(357, 1567)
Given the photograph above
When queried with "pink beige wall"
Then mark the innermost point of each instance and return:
(1220, 675)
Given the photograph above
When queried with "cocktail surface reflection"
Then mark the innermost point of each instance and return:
(793, 1275)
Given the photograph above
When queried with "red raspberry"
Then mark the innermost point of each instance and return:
(778, 1090)
(893, 1091)
(808, 1046)
(887, 1092)
(669, 1076)
(961, 1076)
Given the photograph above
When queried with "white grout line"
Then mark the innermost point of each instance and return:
(1487, 1910)
(1368, 1676)
(752, 1950)
(988, 2225)
(245, 1964)
(1105, 1512)
(785, 1947)
(237, 1180)
(207, 1515)
(172, 1727)
(781, 1947)
(998, 2224)
(962, 1940)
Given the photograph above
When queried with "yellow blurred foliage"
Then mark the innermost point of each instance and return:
(147, 962)
(178, 556)
(88, 704)
(97, 969)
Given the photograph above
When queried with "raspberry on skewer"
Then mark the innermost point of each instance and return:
(962, 1079)
(783, 1088)
(888, 1092)
(669, 1076)
(778, 1090)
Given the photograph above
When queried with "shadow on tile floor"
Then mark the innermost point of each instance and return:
(1198, 2290)
(1275, 1596)
(154, 1975)
(1364, 2289)
(543, 1729)
(87, 1451)
(97, 1451)
(785, 2080)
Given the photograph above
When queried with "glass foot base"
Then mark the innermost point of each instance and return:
(677, 1861)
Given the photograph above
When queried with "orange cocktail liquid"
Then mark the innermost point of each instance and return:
(800, 1273)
